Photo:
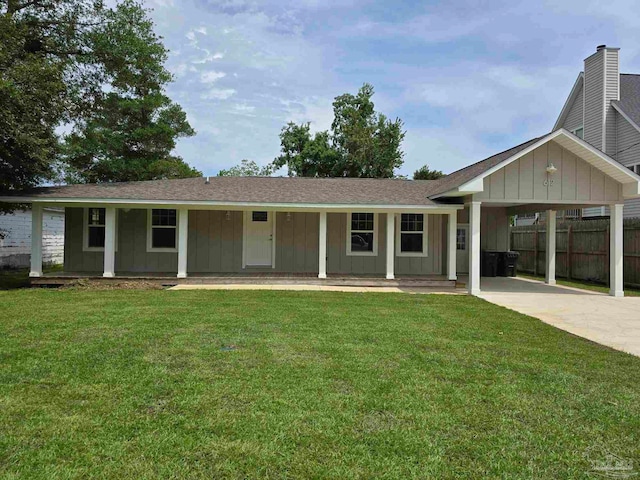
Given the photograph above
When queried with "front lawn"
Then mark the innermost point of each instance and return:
(264, 384)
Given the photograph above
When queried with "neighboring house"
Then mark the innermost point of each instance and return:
(15, 238)
(604, 109)
(536, 218)
(332, 227)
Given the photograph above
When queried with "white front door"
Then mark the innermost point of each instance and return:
(259, 239)
(462, 248)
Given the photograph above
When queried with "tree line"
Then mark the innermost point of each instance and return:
(83, 100)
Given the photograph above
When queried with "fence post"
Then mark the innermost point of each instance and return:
(569, 251)
(535, 251)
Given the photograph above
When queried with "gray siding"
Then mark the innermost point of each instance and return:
(132, 255)
(594, 99)
(575, 180)
(75, 260)
(611, 92)
(338, 262)
(574, 117)
(215, 245)
(494, 229)
(628, 154)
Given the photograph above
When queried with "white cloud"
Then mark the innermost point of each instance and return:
(243, 109)
(211, 76)
(208, 57)
(219, 94)
(201, 30)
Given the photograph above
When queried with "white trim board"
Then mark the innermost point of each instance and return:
(218, 205)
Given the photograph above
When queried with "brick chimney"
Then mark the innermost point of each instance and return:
(601, 87)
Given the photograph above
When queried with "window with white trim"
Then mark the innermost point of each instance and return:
(634, 168)
(162, 234)
(411, 235)
(94, 229)
(578, 132)
(362, 231)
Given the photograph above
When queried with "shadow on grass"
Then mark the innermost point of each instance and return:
(12, 279)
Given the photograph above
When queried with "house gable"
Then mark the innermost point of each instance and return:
(572, 114)
(526, 179)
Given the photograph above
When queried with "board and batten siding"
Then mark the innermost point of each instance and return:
(628, 155)
(575, 116)
(494, 227)
(594, 99)
(575, 179)
(215, 245)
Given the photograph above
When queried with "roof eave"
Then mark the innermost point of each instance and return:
(211, 204)
(621, 111)
(570, 99)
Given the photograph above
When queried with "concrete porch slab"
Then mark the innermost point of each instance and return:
(610, 321)
(322, 288)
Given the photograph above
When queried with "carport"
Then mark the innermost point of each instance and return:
(558, 171)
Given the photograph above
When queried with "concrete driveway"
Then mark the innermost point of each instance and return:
(614, 322)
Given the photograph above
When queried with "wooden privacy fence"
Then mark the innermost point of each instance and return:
(582, 250)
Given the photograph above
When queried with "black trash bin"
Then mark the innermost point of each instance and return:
(489, 266)
(507, 264)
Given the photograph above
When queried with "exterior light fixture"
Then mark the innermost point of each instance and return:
(228, 215)
(551, 170)
(288, 216)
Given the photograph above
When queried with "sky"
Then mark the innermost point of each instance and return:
(468, 78)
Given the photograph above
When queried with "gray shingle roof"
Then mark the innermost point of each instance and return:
(282, 190)
(286, 190)
(629, 101)
(462, 176)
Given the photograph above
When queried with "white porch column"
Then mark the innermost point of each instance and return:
(474, 248)
(451, 251)
(550, 270)
(322, 246)
(36, 240)
(109, 242)
(616, 257)
(391, 236)
(183, 240)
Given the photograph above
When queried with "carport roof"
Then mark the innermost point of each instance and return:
(469, 179)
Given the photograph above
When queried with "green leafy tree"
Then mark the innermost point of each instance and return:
(97, 70)
(425, 173)
(307, 155)
(32, 101)
(247, 168)
(131, 130)
(361, 143)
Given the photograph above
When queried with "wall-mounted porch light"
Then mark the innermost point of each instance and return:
(551, 170)
(228, 215)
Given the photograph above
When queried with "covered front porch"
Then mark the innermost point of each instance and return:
(172, 244)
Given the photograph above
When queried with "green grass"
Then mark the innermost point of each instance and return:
(595, 287)
(258, 384)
